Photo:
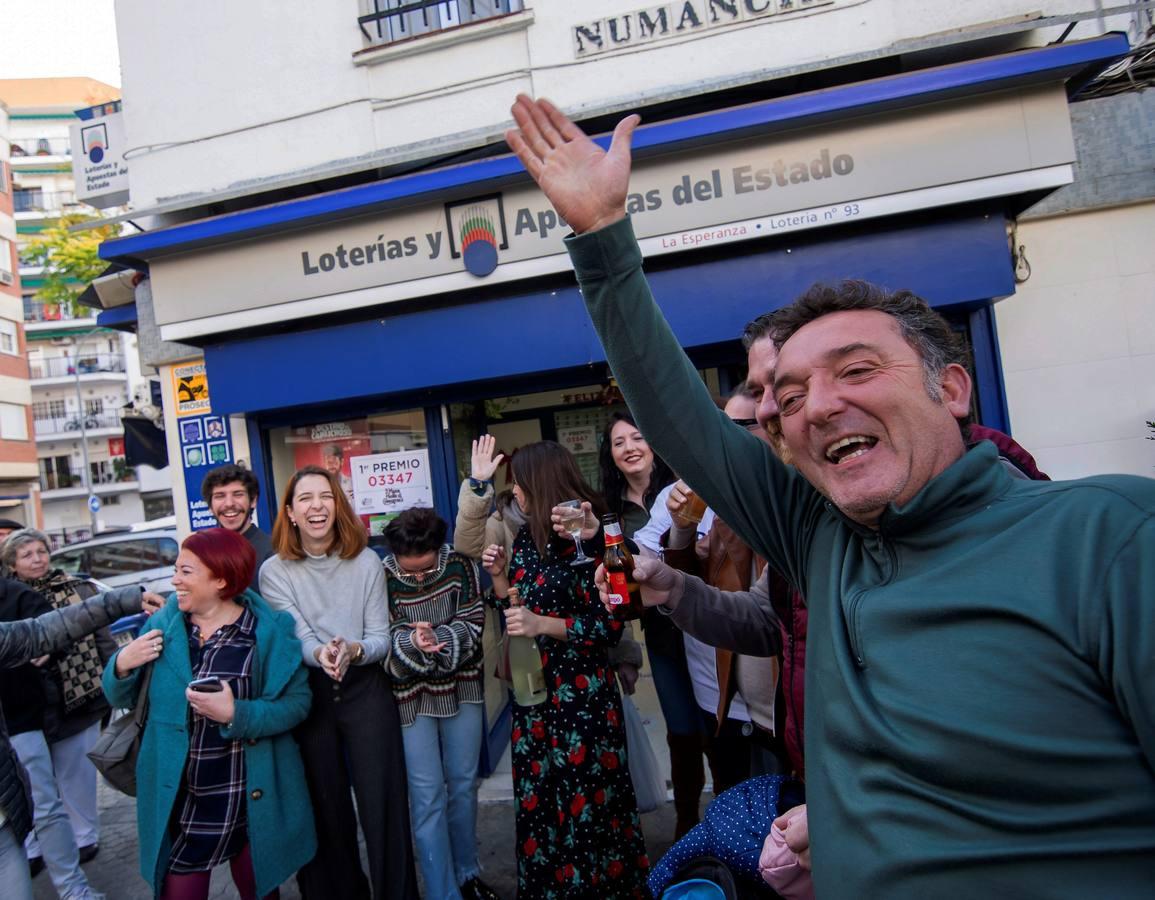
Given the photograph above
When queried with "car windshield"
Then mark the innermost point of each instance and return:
(71, 561)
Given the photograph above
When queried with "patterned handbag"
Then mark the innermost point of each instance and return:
(115, 751)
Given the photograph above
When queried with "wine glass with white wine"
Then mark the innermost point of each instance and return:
(573, 519)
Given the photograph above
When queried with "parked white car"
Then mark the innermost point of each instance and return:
(122, 558)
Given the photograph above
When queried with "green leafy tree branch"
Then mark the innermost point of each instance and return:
(69, 258)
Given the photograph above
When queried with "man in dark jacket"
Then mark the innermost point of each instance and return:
(21, 642)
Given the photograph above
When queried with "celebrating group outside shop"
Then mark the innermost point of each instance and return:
(834, 565)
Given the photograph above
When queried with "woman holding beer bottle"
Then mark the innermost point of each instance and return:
(578, 828)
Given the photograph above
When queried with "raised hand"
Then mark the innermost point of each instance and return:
(590, 524)
(493, 561)
(482, 462)
(586, 184)
(678, 502)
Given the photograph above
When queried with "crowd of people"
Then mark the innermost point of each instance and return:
(838, 566)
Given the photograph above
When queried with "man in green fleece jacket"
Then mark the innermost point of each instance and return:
(980, 679)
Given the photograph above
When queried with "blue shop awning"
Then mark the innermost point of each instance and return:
(1072, 64)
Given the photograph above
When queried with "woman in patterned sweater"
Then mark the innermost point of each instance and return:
(436, 617)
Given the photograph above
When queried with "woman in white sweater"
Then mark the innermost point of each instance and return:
(333, 585)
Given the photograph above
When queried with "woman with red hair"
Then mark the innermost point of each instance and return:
(219, 776)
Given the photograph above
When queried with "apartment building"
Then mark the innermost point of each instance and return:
(19, 491)
(81, 374)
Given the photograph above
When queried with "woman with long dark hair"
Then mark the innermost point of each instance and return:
(219, 776)
(578, 829)
(334, 587)
(632, 474)
(632, 477)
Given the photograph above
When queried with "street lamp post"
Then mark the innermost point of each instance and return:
(92, 501)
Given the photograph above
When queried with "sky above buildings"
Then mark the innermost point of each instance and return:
(52, 38)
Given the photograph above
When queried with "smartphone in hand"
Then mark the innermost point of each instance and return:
(207, 685)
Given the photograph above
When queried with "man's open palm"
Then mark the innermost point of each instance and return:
(586, 185)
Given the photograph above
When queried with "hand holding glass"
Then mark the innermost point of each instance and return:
(573, 519)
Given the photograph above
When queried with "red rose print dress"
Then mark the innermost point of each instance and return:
(578, 830)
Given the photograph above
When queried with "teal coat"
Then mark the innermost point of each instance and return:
(281, 835)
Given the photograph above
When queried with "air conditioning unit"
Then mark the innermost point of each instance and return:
(61, 342)
(5, 277)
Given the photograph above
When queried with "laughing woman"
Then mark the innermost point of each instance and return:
(334, 587)
(219, 777)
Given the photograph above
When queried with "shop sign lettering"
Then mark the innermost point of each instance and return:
(688, 17)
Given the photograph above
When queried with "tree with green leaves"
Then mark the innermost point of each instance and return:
(69, 258)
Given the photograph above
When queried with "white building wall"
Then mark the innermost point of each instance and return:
(221, 93)
(1078, 343)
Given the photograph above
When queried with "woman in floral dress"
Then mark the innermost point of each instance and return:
(578, 830)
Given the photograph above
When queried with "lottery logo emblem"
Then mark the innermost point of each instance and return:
(477, 233)
(95, 141)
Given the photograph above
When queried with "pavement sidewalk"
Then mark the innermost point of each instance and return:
(115, 870)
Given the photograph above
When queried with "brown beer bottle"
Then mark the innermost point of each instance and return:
(625, 598)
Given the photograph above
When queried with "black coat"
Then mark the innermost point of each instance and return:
(22, 688)
(21, 641)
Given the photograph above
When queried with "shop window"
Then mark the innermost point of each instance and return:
(336, 445)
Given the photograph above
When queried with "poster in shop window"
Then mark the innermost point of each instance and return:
(333, 446)
(391, 482)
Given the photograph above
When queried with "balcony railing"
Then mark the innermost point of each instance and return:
(42, 201)
(35, 311)
(107, 475)
(40, 146)
(64, 424)
(90, 364)
(58, 481)
(390, 21)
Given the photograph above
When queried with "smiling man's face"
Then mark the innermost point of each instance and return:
(856, 414)
(232, 506)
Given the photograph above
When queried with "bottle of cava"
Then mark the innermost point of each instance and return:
(525, 665)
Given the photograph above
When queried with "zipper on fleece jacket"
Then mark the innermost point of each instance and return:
(884, 554)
